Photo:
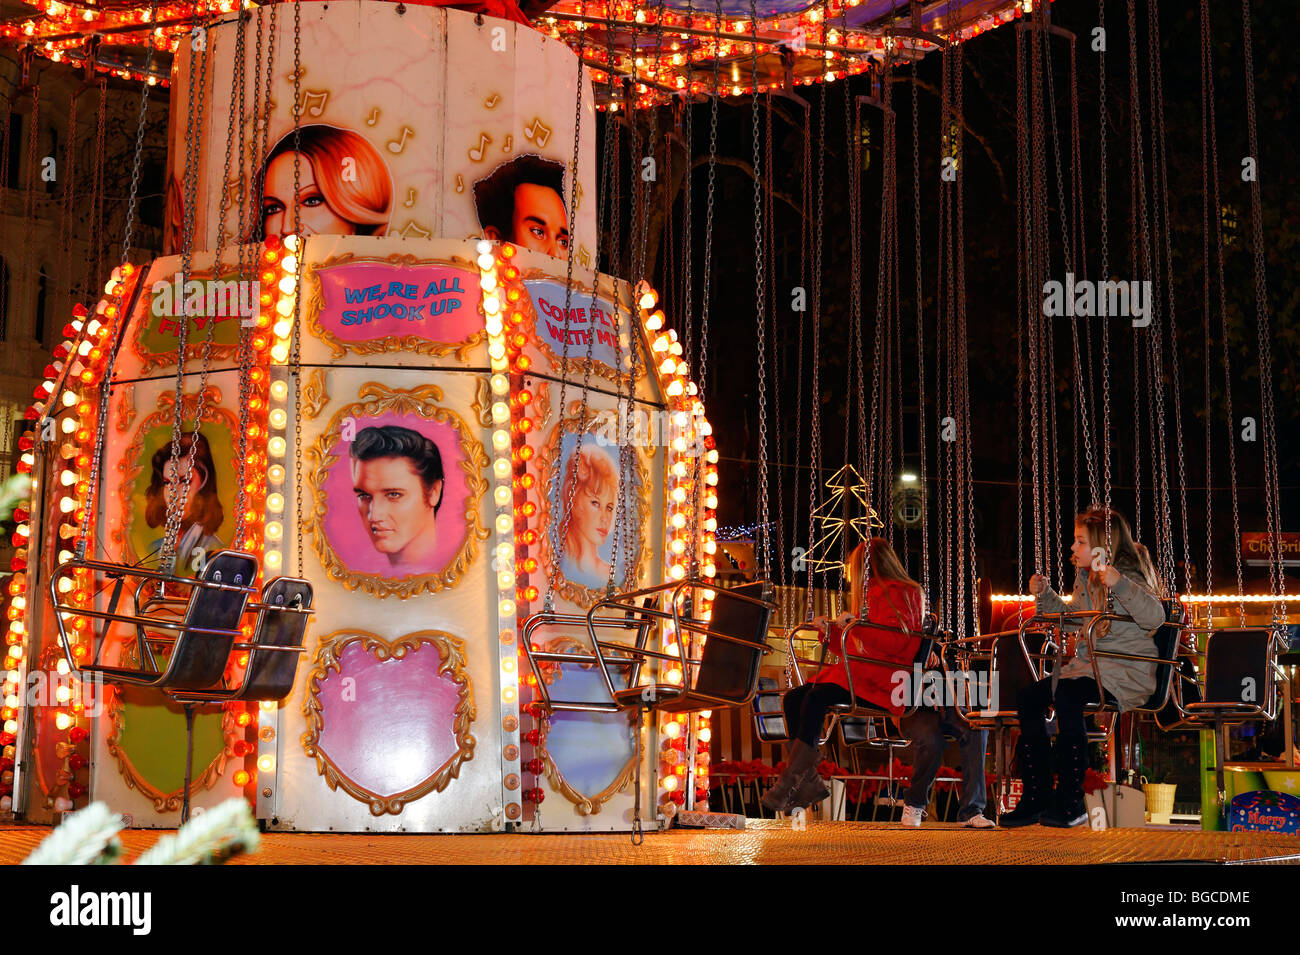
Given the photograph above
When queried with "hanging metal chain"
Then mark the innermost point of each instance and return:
(815, 410)
(1263, 334)
(763, 535)
(295, 344)
(920, 336)
(554, 491)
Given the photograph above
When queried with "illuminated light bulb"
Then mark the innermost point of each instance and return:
(506, 608)
(672, 729)
(266, 763)
(486, 261)
(502, 495)
(678, 546)
(68, 478)
(504, 524)
(505, 580)
(711, 456)
(710, 547)
(668, 367)
(647, 300)
(285, 306)
(677, 572)
(497, 351)
(242, 778)
(282, 329)
(679, 444)
(279, 390)
(491, 304)
(11, 726)
(676, 350)
(501, 468)
(500, 384)
(274, 530)
(674, 388)
(68, 426)
(272, 559)
(704, 735)
(278, 418)
(661, 344)
(280, 353)
(670, 783)
(67, 504)
(63, 694)
(711, 479)
(509, 694)
(710, 570)
(484, 248)
(679, 495)
(69, 399)
(501, 440)
(710, 524)
(711, 502)
(276, 473)
(276, 446)
(679, 521)
(61, 721)
(291, 242)
(290, 264)
(500, 412)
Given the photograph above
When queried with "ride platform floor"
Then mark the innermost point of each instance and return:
(764, 842)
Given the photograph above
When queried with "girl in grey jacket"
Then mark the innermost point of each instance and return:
(1131, 579)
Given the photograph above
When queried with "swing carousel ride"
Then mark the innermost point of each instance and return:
(386, 497)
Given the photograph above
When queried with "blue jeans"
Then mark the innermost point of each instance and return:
(926, 728)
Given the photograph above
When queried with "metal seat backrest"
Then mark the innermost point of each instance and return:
(769, 717)
(1166, 641)
(1010, 672)
(270, 673)
(1237, 667)
(729, 670)
(198, 660)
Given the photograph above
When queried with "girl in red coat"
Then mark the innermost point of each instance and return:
(893, 600)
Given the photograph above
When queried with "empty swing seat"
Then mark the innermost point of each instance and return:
(1239, 677)
(198, 645)
(725, 673)
(273, 653)
(769, 717)
(620, 669)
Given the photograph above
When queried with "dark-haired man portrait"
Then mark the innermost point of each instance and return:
(397, 478)
(522, 201)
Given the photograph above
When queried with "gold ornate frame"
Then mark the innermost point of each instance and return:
(321, 457)
(162, 802)
(130, 465)
(574, 592)
(329, 652)
(419, 344)
(585, 805)
(577, 365)
(193, 349)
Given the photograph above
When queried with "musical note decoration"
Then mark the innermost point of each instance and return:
(410, 197)
(538, 132)
(476, 153)
(373, 117)
(413, 229)
(508, 145)
(492, 101)
(460, 183)
(313, 101)
(395, 146)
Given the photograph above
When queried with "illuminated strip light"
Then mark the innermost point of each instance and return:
(1238, 598)
(1023, 598)
(266, 487)
(503, 524)
(79, 362)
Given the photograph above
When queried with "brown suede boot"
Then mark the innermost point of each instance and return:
(803, 761)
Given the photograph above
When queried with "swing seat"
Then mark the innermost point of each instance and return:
(1240, 687)
(1166, 638)
(856, 709)
(769, 717)
(620, 670)
(725, 673)
(199, 644)
(277, 644)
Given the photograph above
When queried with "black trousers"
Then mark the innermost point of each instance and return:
(1072, 695)
(806, 707)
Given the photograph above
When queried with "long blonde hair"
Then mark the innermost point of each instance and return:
(885, 565)
(1127, 556)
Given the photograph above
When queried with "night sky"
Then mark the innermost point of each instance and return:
(991, 279)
